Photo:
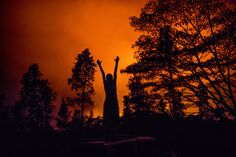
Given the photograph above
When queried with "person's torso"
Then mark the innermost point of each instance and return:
(110, 88)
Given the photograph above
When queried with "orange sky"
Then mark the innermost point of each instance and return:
(51, 33)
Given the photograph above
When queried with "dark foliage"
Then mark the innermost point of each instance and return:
(186, 45)
(77, 122)
(34, 109)
(63, 115)
(189, 137)
(138, 99)
(81, 81)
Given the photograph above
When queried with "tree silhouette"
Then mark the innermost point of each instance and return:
(161, 107)
(127, 110)
(63, 115)
(95, 122)
(138, 98)
(168, 55)
(77, 122)
(157, 66)
(204, 110)
(35, 107)
(198, 41)
(82, 80)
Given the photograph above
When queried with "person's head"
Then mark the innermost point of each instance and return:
(109, 77)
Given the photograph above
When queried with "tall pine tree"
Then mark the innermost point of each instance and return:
(81, 80)
(157, 66)
(35, 107)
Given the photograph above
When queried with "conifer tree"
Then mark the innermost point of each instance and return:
(35, 106)
(81, 81)
(157, 67)
(138, 99)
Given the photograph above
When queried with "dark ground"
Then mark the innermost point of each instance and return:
(187, 138)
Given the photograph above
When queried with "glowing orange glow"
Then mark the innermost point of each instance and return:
(52, 33)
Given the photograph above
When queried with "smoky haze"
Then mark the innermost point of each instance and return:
(52, 33)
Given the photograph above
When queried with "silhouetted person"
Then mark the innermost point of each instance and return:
(110, 107)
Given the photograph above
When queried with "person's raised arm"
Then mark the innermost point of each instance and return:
(116, 67)
(101, 69)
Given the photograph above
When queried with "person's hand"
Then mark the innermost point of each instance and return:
(117, 59)
(99, 62)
